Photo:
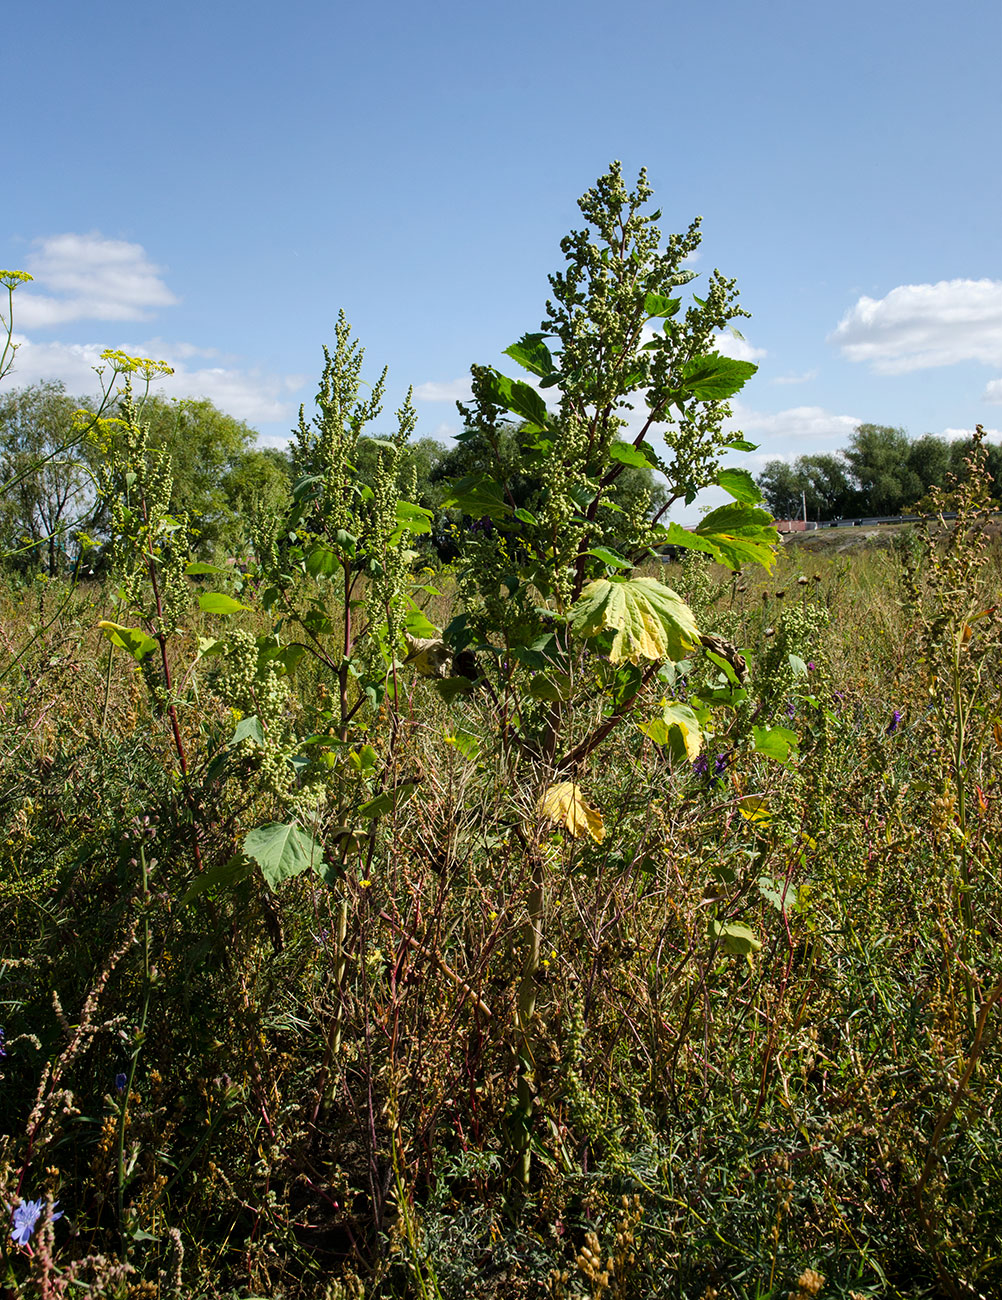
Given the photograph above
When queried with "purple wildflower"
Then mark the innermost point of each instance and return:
(894, 723)
(811, 665)
(791, 709)
(25, 1219)
(120, 1081)
(3, 1051)
(701, 766)
(720, 765)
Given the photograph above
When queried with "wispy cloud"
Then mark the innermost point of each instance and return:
(993, 391)
(88, 277)
(919, 326)
(248, 394)
(736, 347)
(797, 424)
(452, 390)
(805, 378)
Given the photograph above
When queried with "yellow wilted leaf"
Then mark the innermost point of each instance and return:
(564, 803)
(997, 729)
(753, 808)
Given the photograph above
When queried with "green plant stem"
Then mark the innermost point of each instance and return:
(137, 1041)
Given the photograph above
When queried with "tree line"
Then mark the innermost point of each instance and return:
(231, 490)
(881, 472)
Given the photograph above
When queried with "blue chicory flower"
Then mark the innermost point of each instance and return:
(25, 1219)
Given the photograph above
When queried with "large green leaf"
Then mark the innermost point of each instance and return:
(656, 304)
(412, 518)
(736, 534)
(774, 742)
(217, 602)
(648, 621)
(130, 639)
(627, 454)
(478, 495)
(740, 485)
(714, 378)
(521, 398)
(532, 354)
(282, 850)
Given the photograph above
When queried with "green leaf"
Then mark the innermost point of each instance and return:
(714, 378)
(415, 519)
(478, 496)
(130, 639)
(388, 800)
(555, 687)
(222, 875)
(656, 304)
(797, 666)
(739, 484)
(418, 626)
(741, 444)
(774, 742)
(612, 558)
(737, 939)
(321, 561)
(514, 395)
(198, 566)
(215, 602)
(526, 517)
(465, 742)
(649, 621)
(449, 688)
(735, 535)
(531, 353)
(247, 729)
(282, 850)
(627, 454)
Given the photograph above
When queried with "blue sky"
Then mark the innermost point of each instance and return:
(211, 182)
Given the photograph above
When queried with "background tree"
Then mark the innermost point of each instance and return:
(878, 459)
(52, 491)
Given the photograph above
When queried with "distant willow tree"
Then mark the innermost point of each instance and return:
(46, 488)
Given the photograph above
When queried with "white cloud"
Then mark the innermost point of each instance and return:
(454, 390)
(250, 395)
(993, 391)
(737, 348)
(88, 277)
(952, 434)
(799, 423)
(918, 326)
(806, 377)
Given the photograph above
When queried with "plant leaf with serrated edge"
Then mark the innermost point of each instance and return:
(130, 639)
(418, 625)
(741, 444)
(627, 454)
(531, 353)
(222, 875)
(199, 566)
(754, 808)
(282, 850)
(478, 495)
(247, 729)
(612, 558)
(415, 519)
(216, 602)
(564, 804)
(739, 484)
(737, 939)
(657, 305)
(714, 378)
(735, 535)
(774, 742)
(649, 621)
(388, 800)
(514, 395)
(451, 687)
